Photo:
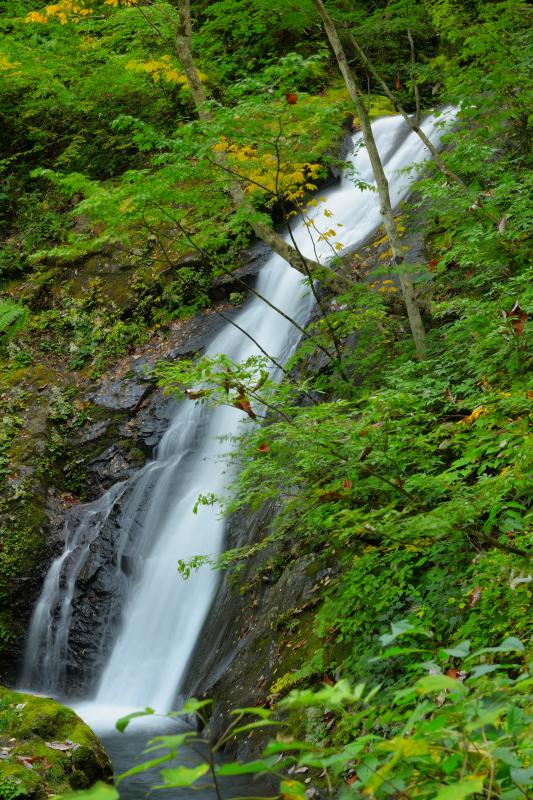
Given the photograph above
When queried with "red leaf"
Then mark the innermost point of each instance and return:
(329, 496)
(243, 404)
(263, 448)
(432, 263)
(347, 483)
(291, 98)
(452, 673)
(517, 317)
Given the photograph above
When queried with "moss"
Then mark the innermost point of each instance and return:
(28, 725)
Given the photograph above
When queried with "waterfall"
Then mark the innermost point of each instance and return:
(162, 616)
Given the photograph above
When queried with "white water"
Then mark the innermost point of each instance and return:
(163, 615)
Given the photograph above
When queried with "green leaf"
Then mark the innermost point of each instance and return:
(292, 790)
(182, 776)
(172, 743)
(507, 756)
(261, 723)
(522, 776)
(190, 707)
(439, 683)
(390, 652)
(456, 791)
(123, 722)
(459, 651)
(146, 765)
(509, 645)
(264, 713)
(338, 695)
(282, 747)
(402, 628)
(483, 669)
(249, 768)
(100, 791)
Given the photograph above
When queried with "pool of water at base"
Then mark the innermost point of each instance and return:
(126, 750)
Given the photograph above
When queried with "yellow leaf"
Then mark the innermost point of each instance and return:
(477, 412)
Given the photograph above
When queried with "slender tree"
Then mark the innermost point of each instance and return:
(391, 229)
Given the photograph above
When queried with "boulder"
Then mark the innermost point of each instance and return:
(46, 749)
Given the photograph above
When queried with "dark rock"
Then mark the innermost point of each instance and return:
(120, 395)
(245, 276)
(92, 432)
(111, 466)
(240, 648)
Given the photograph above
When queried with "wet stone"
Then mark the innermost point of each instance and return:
(120, 395)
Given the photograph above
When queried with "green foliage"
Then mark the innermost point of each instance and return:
(12, 317)
(10, 788)
(100, 791)
(450, 733)
(409, 482)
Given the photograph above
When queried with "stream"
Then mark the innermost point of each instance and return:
(162, 615)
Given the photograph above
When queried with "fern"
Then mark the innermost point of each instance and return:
(12, 317)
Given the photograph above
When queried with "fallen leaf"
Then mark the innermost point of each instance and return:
(263, 448)
(291, 98)
(347, 484)
(62, 746)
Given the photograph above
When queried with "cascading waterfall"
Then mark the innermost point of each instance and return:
(163, 616)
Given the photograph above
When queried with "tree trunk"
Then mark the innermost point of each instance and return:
(263, 231)
(413, 124)
(354, 90)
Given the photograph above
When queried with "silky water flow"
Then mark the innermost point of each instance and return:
(162, 616)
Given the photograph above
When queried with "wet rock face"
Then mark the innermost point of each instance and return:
(127, 416)
(120, 395)
(244, 646)
(96, 604)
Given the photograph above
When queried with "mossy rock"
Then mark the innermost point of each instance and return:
(46, 749)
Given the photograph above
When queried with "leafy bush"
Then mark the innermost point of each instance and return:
(451, 733)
